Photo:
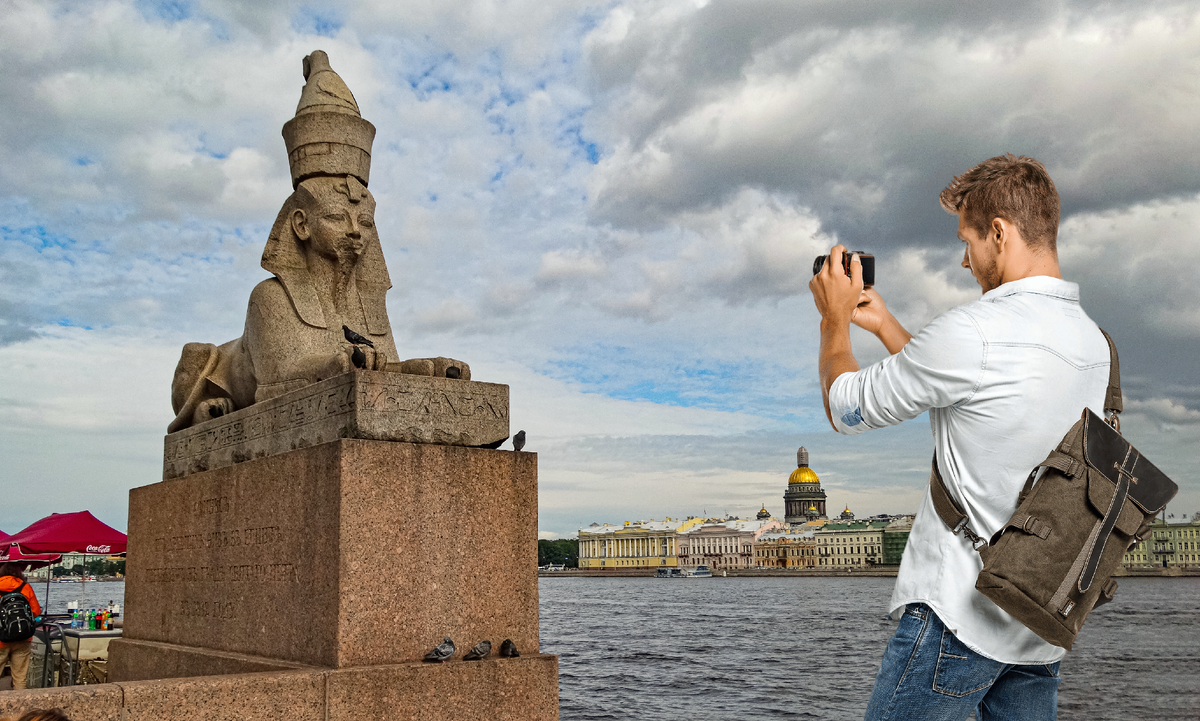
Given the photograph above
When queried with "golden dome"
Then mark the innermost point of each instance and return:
(804, 474)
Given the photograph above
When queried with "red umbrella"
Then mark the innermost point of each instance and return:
(12, 552)
(3, 538)
(79, 532)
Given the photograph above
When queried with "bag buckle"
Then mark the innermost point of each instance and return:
(1114, 420)
(976, 542)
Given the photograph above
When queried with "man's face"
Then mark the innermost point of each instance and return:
(979, 256)
(338, 228)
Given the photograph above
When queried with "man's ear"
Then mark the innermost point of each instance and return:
(300, 224)
(1000, 233)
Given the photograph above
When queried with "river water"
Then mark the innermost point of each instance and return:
(726, 649)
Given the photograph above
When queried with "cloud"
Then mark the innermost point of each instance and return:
(612, 207)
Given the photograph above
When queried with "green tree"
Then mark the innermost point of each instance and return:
(564, 551)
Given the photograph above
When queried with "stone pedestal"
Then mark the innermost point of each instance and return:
(347, 553)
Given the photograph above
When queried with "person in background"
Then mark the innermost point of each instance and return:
(16, 653)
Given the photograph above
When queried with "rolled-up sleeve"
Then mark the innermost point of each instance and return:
(940, 367)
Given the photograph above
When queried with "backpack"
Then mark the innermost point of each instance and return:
(1052, 562)
(16, 616)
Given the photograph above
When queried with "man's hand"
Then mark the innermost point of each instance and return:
(836, 295)
(872, 315)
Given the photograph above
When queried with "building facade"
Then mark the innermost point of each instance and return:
(786, 548)
(1168, 545)
(636, 544)
(804, 500)
(723, 544)
(895, 538)
(855, 543)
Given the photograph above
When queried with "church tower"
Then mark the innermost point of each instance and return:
(804, 500)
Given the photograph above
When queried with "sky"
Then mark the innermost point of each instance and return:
(612, 207)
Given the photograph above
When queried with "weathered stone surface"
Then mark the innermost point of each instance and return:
(524, 688)
(520, 689)
(347, 553)
(295, 696)
(148, 660)
(371, 405)
(81, 703)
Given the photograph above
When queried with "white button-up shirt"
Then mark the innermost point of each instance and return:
(1003, 379)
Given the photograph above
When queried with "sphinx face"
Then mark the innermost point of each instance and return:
(335, 224)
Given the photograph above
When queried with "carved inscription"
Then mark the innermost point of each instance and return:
(235, 538)
(222, 610)
(213, 506)
(269, 420)
(424, 402)
(243, 573)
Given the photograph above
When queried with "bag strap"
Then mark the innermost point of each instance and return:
(1112, 397)
(948, 509)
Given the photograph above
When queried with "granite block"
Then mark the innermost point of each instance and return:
(371, 405)
(81, 703)
(132, 660)
(291, 695)
(347, 553)
(494, 689)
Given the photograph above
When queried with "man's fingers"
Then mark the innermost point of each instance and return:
(856, 270)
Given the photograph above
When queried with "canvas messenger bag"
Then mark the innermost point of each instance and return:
(1052, 563)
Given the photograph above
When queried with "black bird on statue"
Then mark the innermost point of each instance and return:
(508, 649)
(441, 652)
(355, 338)
(481, 650)
(519, 441)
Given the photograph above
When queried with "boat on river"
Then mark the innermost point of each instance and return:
(697, 572)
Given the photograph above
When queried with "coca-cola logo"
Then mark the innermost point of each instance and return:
(98, 549)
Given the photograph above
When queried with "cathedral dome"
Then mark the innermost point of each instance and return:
(803, 474)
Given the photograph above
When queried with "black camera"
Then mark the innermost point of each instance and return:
(868, 265)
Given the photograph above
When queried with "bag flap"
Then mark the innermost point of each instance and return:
(1100, 495)
(1105, 451)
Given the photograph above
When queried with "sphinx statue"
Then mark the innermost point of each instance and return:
(329, 275)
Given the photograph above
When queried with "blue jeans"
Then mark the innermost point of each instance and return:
(929, 674)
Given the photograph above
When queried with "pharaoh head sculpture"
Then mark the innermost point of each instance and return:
(329, 151)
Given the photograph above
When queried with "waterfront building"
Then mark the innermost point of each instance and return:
(1168, 545)
(722, 543)
(804, 500)
(786, 548)
(895, 538)
(853, 543)
(636, 544)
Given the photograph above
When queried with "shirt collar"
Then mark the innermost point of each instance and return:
(1038, 284)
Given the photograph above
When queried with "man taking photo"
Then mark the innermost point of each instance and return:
(1003, 379)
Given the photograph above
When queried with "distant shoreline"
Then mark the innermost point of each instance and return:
(876, 572)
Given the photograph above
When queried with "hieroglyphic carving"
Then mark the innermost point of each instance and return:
(370, 405)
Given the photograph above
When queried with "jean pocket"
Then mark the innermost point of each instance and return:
(961, 671)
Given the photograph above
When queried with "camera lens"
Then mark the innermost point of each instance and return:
(819, 263)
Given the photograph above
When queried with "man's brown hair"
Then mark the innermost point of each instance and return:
(1017, 189)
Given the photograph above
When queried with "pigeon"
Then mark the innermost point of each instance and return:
(481, 650)
(508, 649)
(355, 338)
(358, 358)
(519, 441)
(454, 372)
(441, 652)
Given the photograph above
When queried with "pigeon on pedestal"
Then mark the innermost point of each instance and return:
(441, 652)
(519, 441)
(481, 650)
(508, 649)
(355, 338)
